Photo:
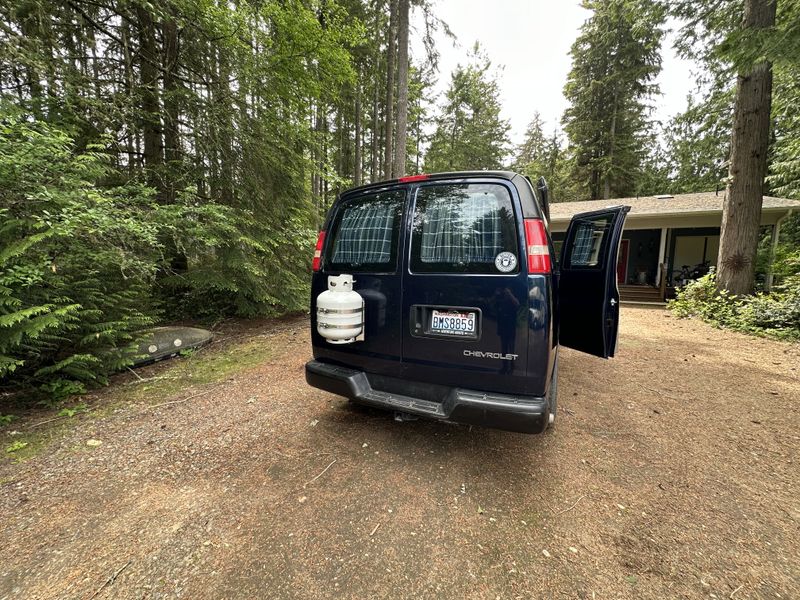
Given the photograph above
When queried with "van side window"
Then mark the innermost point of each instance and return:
(365, 233)
(588, 241)
(462, 228)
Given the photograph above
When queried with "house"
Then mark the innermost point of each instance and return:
(665, 233)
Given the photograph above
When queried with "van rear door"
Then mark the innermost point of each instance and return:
(588, 294)
(364, 238)
(465, 292)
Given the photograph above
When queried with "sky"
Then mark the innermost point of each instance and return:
(531, 40)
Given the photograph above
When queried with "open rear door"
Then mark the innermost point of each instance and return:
(588, 294)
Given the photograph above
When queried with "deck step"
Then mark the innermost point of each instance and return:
(639, 293)
(643, 294)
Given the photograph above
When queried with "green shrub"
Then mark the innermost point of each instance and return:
(72, 282)
(252, 270)
(85, 266)
(776, 314)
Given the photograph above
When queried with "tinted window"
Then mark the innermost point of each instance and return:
(587, 243)
(462, 228)
(365, 233)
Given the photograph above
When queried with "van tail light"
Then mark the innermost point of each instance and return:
(538, 248)
(317, 262)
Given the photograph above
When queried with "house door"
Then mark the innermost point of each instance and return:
(622, 261)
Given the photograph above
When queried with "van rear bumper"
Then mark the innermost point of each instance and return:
(525, 414)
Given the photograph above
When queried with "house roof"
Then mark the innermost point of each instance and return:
(679, 204)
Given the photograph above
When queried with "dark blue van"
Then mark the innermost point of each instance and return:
(464, 303)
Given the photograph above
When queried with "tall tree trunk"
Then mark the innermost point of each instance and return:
(30, 26)
(453, 141)
(129, 86)
(150, 115)
(228, 162)
(419, 139)
(594, 180)
(340, 144)
(324, 180)
(741, 214)
(376, 127)
(171, 105)
(611, 144)
(390, 81)
(402, 89)
(172, 174)
(357, 159)
(374, 172)
(316, 181)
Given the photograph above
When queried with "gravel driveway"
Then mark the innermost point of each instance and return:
(672, 472)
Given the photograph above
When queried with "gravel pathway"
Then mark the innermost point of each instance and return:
(672, 473)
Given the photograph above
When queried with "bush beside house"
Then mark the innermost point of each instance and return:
(775, 314)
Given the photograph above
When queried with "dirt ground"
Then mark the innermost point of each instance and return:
(672, 473)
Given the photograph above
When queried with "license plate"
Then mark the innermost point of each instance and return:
(453, 322)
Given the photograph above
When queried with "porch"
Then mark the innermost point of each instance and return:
(650, 261)
(667, 239)
(642, 273)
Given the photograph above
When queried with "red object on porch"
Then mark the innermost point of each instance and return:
(622, 261)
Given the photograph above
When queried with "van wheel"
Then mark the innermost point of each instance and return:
(552, 395)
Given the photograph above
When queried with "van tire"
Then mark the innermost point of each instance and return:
(552, 395)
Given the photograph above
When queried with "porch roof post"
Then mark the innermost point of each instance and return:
(776, 233)
(662, 250)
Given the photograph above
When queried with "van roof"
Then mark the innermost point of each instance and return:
(508, 175)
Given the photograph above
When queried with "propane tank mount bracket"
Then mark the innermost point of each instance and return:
(360, 336)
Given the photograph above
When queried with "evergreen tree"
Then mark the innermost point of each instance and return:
(738, 41)
(615, 61)
(543, 156)
(655, 175)
(401, 152)
(741, 213)
(784, 50)
(420, 119)
(78, 259)
(698, 143)
(391, 84)
(202, 143)
(470, 133)
(784, 178)
(557, 170)
(529, 154)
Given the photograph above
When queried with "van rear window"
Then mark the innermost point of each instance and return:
(365, 233)
(462, 228)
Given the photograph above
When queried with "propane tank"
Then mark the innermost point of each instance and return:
(340, 311)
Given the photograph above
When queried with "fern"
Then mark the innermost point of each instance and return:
(86, 266)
